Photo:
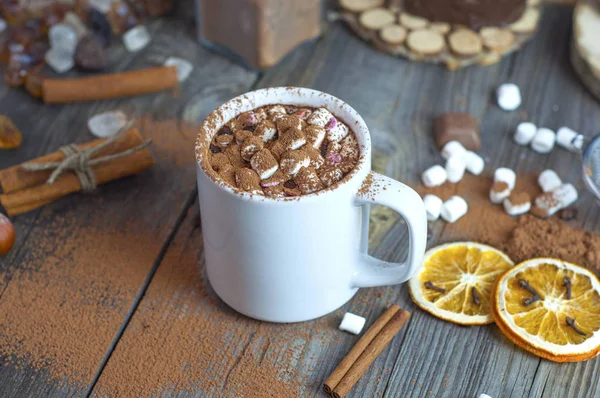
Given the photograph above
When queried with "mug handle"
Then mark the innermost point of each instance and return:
(406, 202)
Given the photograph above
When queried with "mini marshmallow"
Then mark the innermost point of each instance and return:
(320, 117)
(566, 195)
(484, 396)
(434, 176)
(293, 139)
(569, 139)
(453, 209)
(433, 206)
(452, 149)
(517, 204)
(455, 168)
(474, 163)
(336, 130)
(547, 203)
(277, 109)
(352, 323)
(264, 164)
(499, 191)
(292, 161)
(504, 174)
(266, 130)
(543, 141)
(549, 180)
(509, 96)
(314, 135)
(525, 133)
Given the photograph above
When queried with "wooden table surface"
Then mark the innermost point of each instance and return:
(398, 100)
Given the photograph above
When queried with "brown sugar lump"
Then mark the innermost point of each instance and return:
(320, 117)
(316, 160)
(292, 138)
(330, 175)
(264, 164)
(247, 180)
(308, 180)
(461, 127)
(250, 146)
(314, 135)
(292, 161)
(289, 121)
(266, 130)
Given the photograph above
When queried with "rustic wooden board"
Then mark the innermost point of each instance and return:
(50, 240)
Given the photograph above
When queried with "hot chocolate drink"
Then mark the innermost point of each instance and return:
(282, 151)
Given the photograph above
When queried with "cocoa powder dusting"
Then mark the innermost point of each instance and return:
(521, 237)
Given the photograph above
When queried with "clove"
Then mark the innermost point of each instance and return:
(571, 323)
(431, 286)
(475, 295)
(567, 284)
(530, 300)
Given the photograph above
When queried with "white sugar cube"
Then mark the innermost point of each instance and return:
(59, 60)
(184, 68)
(352, 323)
(434, 176)
(455, 168)
(504, 174)
(63, 36)
(433, 206)
(107, 124)
(453, 209)
(509, 96)
(524, 133)
(474, 163)
(549, 180)
(453, 149)
(136, 38)
(569, 139)
(543, 141)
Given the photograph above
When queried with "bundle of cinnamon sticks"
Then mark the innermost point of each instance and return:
(25, 190)
(364, 352)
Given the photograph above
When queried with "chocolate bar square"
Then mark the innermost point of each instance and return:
(461, 127)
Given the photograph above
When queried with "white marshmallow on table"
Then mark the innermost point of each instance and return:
(455, 168)
(543, 141)
(484, 396)
(452, 149)
(566, 194)
(352, 323)
(504, 174)
(433, 206)
(515, 209)
(497, 197)
(549, 180)
(525, 133)
(320, 117)
(434, 176)
(569, 139)
(453, 209)
(509, 96)
(474, 163)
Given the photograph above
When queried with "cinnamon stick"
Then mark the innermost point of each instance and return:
(339, 372)
(15, 178)
(124, 84)
(370, 353)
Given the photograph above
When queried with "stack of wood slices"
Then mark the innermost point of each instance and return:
(456, 33)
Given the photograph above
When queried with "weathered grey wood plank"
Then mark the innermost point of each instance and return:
(147, 206)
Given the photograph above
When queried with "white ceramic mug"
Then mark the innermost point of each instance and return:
(289, 261)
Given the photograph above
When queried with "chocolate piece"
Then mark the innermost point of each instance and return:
(90, 54)
(568, 214)
(474, 14)
(461, 127)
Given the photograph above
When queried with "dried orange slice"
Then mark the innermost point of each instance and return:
(551, 308)
(456, 280)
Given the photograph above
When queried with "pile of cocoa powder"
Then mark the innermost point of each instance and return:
(522, 237)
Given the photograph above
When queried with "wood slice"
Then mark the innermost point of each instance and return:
(585, 46)
(422, 40)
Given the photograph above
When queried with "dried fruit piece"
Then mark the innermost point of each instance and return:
(360, 5)
(7, 235)
(457, 269)
(90, 53)
(425, 42)
(413, 22)
(10, 136)
(33, 84)
(393, 34)
(528, 21)
(465, 42)
(376, 18)
(497, 39)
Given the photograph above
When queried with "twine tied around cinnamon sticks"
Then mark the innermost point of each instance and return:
(79, 160)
